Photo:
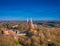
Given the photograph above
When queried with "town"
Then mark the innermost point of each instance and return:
(28, 33)
(29, 22)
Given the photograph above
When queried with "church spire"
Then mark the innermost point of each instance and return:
(31, 19)
(31, 26)
(27, 20)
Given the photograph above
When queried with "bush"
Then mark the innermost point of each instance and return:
(8, 41)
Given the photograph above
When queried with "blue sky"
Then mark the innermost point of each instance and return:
(35, 9)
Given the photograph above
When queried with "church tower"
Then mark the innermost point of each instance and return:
(27, 20)
(31, 26)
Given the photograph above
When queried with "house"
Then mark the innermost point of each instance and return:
(20, 33)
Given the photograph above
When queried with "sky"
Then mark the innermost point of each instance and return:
(35, 9)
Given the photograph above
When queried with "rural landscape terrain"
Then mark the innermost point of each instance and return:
(30, 33)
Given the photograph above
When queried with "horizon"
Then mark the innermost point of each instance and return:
(36, 9)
